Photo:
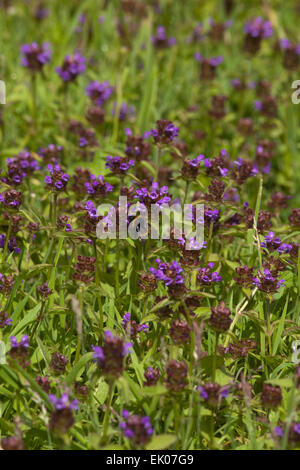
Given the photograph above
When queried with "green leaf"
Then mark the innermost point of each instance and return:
(71, 377)
(162, 441)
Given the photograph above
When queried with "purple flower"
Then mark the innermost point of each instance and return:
(131, 325)
(4, 320)
(286, 44)
(153, 195)
(164, 133)
(213, 393)
(137, 428)
(118, 165)
(51, 153)
(73, 65)
(97, 187)
(12, 244)
(259, 28)
(110, 357)
(58, 180)
(24, 342)
(206, 276)
(35, 56)
(267, 282)
(271, 242)
(161, 40)
(63, 402)
(278, 431)
(99, 92)
(168, 273)
(284, 248)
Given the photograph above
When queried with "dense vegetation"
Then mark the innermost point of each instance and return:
(142, 343)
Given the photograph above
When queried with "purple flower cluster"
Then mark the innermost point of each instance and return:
(286, 44)
(151, 376)
(19, 350)
(136, 428)
(206, 276)
(267, 282)
(213, 393)
(99, 92)
(255, 31)
(259, 28)
(63, 402)
(24, 342)
(18, 167)
(51, 153)
(118, 165)
(208, 66)
(272, 243)
(110, 356)
(97, 187)
(12, 244)
(161, 40)
(11, 199)
(132, 326)
(73, 65)
(168, 273)
(58, 180)
(153, 195)
(164, 133)
(213, 61)
(217, 166)
(35, 56)
(4, 319)
(190, 168)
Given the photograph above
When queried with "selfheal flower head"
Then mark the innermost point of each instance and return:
(63, 402)
(62, 418)
(110, 356)
(99, 92)
(160, 40)
(255, 31)
(118, 165)
(213, 393)
(73, 65)
(207, 276)
(153, 194)
(267, 281)
(34, 57)
(97, 187)
(259, 28)
(151, 376)
(165, 132)
(136, 428)
(132, 326)
(219, 319)
(19, 350)
(58, 180)
(168, 273)
(24, 342)
(4, 320)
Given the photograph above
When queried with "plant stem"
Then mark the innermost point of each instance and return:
(268, 308)
(38, 321)
(6, 240)
(79, 325)
(214, 362)
(107, 411)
